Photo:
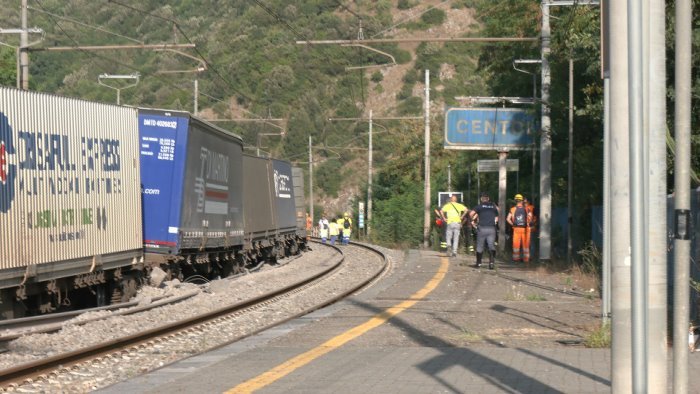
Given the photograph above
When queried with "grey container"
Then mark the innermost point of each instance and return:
(259, 214)
(299, 202)
(70, 198)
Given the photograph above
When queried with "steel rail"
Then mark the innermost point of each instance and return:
(51, 323)
(25, 372)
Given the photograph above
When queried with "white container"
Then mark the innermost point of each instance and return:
(70, 195)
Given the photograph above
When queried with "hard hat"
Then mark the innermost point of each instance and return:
(518, 197)
(346, 214)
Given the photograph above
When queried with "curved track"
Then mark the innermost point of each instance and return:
(47, 367)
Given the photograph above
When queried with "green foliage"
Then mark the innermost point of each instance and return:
(406, 4)
(8, 67)
(434, 17)
(329, 177)
(377, 77)
(599, 338)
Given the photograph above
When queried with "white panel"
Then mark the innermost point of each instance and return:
(71, 184)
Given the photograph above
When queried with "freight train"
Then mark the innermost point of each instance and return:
(95, 196)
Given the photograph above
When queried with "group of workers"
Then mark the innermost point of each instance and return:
(335, 229)
(484, 218)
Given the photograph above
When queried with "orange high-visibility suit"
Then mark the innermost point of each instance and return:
(532, 228)
(520, 219)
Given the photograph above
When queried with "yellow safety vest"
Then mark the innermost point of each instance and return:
(453, 212)
(333, 228)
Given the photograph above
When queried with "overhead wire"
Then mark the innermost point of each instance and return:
(110, 61)
(77, 22)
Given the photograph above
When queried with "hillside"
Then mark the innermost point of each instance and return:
(254, 69)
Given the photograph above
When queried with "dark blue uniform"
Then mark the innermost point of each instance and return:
(486, 231)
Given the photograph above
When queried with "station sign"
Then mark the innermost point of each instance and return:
(444, 197)
(490, 129)
(492, 165)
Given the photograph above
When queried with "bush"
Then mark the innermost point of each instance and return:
(377, 77)
(434, 17)
(406, 4)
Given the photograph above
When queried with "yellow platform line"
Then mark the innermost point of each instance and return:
(299, 361)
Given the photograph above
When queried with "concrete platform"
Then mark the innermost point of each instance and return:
(404, 335)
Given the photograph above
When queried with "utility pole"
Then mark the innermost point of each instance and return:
(196, 96)
(570, 176)
(369, 179)
(682, 225)
(621, 296)
(656, 280)
(635, 59)
(502, 187)
(545, 144)
(311, 181)
(23, 45)
(426, 197)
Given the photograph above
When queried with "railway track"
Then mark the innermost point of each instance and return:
(181, 334)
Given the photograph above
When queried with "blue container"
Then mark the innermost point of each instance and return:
(191, 182)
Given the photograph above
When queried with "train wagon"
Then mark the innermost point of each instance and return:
(271, 229)
(298, 181)
(192, 181)
(70, 202)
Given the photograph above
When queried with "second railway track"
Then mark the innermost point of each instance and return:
(115, 359)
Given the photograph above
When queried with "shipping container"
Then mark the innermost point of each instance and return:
(283, 196)
(298, 180)
(257, 198)
(70, 198)
(192, 183)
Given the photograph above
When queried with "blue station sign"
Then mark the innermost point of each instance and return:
(490, 129)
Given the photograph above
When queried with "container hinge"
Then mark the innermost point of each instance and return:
(96, 262)
(30, 272)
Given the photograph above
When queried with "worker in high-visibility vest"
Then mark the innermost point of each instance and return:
(323, 227)
(333, 230)
(345, 225)
(454, 214)
(519, 218)
(309, 226)
(532, 229)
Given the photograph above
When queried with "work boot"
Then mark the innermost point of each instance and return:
(478, 259)
(492, 258)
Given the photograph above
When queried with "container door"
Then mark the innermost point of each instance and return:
(163, 142)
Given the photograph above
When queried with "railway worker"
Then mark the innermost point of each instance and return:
(345, 225)
(440, 225)
(519, 218)
(323, 227)
(309, 226)
(333, 230)
(533, 224)
(486, 214)
(454, 213)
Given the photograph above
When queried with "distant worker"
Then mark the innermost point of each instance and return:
(323, 228)
(333, 230)
(519, 218)
(486, 213)
(440, 225)
(309, 226)
(345, 224)
(454, 213)
(532, 230)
